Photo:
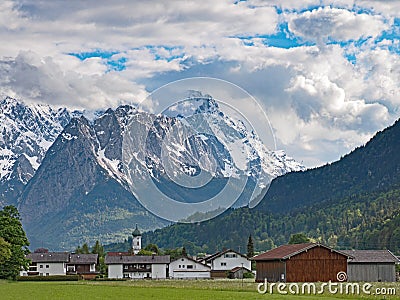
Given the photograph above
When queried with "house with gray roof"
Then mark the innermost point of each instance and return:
(223, 262)
(137, 266)
(83, 264)
(185, 267)
(46, 264)
(371, 265)
(61, 263)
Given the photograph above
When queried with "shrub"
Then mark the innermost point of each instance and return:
(50, 278)
(248, 275)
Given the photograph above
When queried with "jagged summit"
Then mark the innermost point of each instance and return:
(60, 167)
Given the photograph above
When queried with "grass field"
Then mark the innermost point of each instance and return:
(162, 289)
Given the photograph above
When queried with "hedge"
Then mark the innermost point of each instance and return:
(50, 278)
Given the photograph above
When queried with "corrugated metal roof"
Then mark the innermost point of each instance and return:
(287, 251)
(48, 257)
(371, 256)
(83, 258)
(137, 259)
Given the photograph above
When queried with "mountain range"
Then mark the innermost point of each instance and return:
(351, 203)
(67, 175)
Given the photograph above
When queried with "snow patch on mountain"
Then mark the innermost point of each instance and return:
(29, 130)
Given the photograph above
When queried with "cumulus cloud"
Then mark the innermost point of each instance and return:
(32, 78)
(323, 97)
(337, 24)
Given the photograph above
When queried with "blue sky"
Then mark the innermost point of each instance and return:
(327, 73)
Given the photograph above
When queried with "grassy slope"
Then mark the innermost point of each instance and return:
(167, 289)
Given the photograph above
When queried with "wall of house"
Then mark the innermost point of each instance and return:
(115, 271)
(316, 264)
(186, 268)
(51, 268)
(224, 263)
(159, 271)
(371, 272)
(137, 275)
(272, 270)
(185, 274)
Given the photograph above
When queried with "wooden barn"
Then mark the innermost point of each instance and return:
(307, 262)
(371, 265)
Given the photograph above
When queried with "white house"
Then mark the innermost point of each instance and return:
(224, 261)
(46, 264)
(61, 263)
(137, 266)
(188, 268)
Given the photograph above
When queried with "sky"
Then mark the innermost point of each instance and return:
(327, 73)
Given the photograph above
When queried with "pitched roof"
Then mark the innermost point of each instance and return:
(137, 259)
(371, 256)
(48, 257)
(218, 254)
(83, 258)
(118, 253)
(235, 269)
(286, 251)
(191, 259)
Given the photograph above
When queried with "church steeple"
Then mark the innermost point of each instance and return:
(136, 241)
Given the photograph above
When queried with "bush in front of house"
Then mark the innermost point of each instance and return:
(49, 278)
(248, 275)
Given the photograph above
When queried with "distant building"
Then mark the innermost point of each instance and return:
(46, 264)
(188, 268)
(137, 266)
(61, 263)
(371, 265)
(136, 241)
(83, 264)
(223, 262)
(307, 262)
(238, 272)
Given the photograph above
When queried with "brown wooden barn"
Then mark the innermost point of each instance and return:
(308, 262)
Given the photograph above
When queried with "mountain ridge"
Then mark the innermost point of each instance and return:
(85, 157)
(351, 203)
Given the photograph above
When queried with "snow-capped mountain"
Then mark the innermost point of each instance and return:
(26, 133)
(62, 168)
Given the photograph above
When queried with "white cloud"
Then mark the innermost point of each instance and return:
(338, 24)
(320, 104)
(42, 80)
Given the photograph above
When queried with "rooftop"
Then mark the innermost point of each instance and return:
(83, 258)
(371, 256)
(48, 257)
(137, 259)
(286, 251)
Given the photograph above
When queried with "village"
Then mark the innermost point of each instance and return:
(304, 262)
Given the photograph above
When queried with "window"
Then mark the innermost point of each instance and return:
(189, 266)
(47, 274)
(47, 266)
(126, 275)
(223, 264)
(126, 267)
(230, 255)
(41, 266)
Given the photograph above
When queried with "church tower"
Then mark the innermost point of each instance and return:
(136, 241)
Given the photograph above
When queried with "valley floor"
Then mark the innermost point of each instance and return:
(162, 289)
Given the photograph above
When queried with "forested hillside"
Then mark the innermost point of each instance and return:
(352, 203)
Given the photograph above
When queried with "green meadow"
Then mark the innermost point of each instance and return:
(162, 289)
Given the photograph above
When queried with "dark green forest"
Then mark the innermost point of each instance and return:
(352, 203)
